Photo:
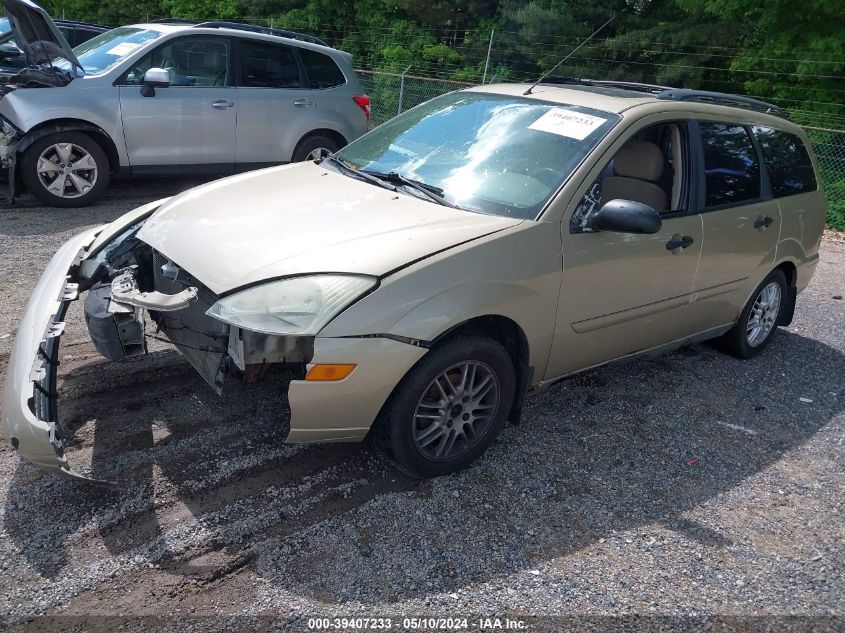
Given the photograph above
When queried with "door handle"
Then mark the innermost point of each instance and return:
(303, 103)
(679, 243)
(222, 104)
(763, 223)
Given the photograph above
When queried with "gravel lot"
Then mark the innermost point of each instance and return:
(688, 485)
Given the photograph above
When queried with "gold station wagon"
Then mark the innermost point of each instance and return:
(419, 282)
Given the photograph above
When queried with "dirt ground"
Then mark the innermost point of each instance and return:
(688, 486)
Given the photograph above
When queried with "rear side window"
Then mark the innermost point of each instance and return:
(266, 65)
(321, 69)
(732, 173)
(787, 162)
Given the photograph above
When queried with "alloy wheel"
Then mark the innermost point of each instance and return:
(67, 170)
(317, 153)
(764, 314)
(456, 410)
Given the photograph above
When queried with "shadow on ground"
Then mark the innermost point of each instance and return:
(606, 451)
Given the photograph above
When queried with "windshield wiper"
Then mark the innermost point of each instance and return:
(435, 194)
(349, 170)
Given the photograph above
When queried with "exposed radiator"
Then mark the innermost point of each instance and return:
(201, 339)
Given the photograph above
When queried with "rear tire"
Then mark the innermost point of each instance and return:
(758, 321)
(449, 408)
(314, 148)
(67, 169)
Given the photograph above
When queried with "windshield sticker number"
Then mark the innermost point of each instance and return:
(124, 48)
(567, 123)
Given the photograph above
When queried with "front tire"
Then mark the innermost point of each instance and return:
(449, 408)
(759, 319)
(67, 169)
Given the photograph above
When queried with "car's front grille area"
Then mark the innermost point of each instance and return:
(200, 338)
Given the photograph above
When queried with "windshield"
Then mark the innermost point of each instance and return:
(5, 27)
(495, 154)
(101, 53)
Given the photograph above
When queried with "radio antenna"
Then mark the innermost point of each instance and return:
(572, 52)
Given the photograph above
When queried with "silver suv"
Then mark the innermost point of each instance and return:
(157, 99)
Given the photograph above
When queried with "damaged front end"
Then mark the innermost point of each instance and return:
(134, 293)
(10, 136)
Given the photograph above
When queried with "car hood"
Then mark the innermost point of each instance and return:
(36, 34)
(301, 219)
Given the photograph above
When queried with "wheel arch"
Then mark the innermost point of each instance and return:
(55, 126)
(334, 135)
(790, 271)
(512, 337)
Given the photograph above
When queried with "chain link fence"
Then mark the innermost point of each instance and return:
(392, 93)
(829, 147)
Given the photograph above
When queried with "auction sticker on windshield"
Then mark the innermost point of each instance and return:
(567, 123)
(124, 48)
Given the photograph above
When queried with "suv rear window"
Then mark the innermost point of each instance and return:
(321, 69)
(787, 162)
(732, 172)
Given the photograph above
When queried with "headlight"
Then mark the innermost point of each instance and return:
(295, 306)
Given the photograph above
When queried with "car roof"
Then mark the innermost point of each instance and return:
(620, 100)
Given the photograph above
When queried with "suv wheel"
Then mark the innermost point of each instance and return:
(759, 318)
(68, 169)
(314, 148)
(449, 408)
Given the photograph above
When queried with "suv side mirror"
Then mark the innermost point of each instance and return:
(625, 216)
(9, 51)
(154, 78)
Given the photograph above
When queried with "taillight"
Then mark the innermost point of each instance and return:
(363, 102)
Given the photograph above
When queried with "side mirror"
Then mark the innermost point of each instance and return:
(625, 216)
(154, 78)
(9, 51)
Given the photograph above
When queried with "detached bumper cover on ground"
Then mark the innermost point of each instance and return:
(29, 406)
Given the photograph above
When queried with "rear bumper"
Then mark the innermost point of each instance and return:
(344, 411)
(29, 401)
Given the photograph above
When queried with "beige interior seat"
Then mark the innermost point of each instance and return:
(638, 165)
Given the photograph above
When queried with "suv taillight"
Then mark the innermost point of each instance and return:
(363, 102)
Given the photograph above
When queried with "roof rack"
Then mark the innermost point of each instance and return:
(266, 30)
(172, 21)
(606, 83)
(721, 98)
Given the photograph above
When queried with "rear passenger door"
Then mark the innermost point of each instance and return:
(275, 110)
(741, 223)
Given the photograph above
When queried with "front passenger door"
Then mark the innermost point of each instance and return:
(189, 126)
(624, 293)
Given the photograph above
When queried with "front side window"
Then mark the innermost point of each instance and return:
(732, 173)
(648, 168)
(103, 52)
(265, 65)
(787, 162)
(496, 154)
(321, 69)
(190, 61)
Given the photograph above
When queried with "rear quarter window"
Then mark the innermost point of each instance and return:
(321, 69)
(787, 162)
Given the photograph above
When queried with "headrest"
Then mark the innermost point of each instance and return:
(639, 159)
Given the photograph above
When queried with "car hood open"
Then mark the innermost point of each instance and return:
(36, 34)
(301, 219)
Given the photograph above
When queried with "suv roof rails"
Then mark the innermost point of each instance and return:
(667, 93)
(172, 21)
(607, 83)
(722, 98)
(266, 30)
